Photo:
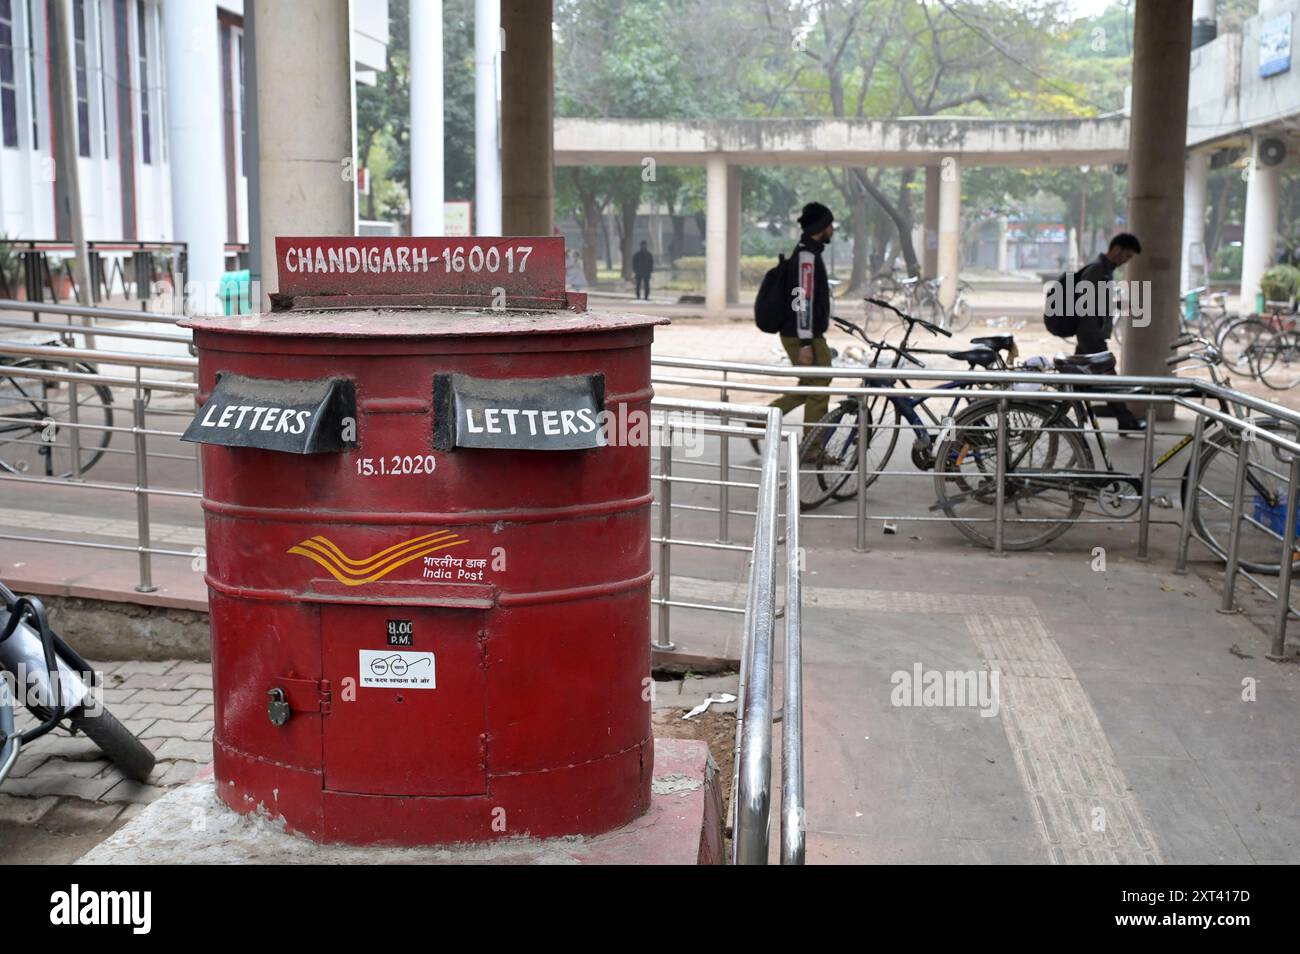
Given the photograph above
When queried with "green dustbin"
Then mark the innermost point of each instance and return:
(235, 292)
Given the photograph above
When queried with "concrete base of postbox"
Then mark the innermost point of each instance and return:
(190, 825)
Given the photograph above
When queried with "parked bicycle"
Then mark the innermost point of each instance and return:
(1049, 474)
(1264, 347)
(920, 296)
(35, 413)
(830, 450)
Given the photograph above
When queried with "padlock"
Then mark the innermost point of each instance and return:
(278, 707)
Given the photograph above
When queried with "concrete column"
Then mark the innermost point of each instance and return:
(305, 103)
(1162, 44)
(948, 258)
(252, 152)
(1002, 244)
(1195, 267)
(1259, 239)
(198, 176)
(930, 224)
(733, 234)
(487, 143)
(427, 166)
(527, 106)
(715, 234)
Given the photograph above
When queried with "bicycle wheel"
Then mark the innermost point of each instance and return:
(882, 438)
(929, 309)
(960, 316)
(827, 455)
(34, 413)
(1258, 550)
(1278, 360)
(1239, 344)
(1038, 507)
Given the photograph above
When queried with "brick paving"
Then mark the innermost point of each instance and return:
(63, 782)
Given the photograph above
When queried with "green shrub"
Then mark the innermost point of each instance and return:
(752, 269)
(1227, 262)
(1280, 283)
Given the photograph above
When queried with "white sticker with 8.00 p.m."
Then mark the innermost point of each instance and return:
(388, 669)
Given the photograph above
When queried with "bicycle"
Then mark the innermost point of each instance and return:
(33, 416)
(831, 447)
(1049, 473)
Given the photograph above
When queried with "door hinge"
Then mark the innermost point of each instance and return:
(305, 695)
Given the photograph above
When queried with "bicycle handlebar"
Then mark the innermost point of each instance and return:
(928, 326)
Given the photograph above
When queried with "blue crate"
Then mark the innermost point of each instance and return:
(1273, 516)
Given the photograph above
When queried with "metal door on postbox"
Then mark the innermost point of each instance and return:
(407, 700)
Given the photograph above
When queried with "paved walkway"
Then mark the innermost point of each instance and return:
(63, 796)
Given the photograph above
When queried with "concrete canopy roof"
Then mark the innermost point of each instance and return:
(838, 142)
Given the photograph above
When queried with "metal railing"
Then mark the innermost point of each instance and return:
(45, 266)
(730, 378)
(752, 776)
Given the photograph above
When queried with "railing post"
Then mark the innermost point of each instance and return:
(74, 439)
(1234, 539)
(860, 476)
(792, 788)
(1000, 475)
(1191, 498)
(724, 471)
(1284, 571)
(664, 643)
(1148, 451)
(751, 789)
(142, 497)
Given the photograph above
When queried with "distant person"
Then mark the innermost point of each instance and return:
(574, 276)
(1095, 327)
(804, 333)
(643, 266)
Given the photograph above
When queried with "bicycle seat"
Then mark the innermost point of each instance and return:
(1103, 362)
(996, 342)
(981, 356)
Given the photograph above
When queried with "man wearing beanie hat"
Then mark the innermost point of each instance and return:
(804, 333)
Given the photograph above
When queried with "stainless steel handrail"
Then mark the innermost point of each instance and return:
(792, 795)
(751, 790)
(89, 311)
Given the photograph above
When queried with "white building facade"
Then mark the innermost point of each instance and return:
(126, 111)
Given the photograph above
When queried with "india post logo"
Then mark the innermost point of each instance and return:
(352, 572)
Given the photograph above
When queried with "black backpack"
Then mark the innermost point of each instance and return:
(772, 303)
(1065, 324)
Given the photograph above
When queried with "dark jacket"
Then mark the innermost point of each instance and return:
(643, 263)
(1095, 322)
(821, 292)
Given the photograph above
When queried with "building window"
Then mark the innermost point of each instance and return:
(8, 83)
(83, 81)
(142, 46)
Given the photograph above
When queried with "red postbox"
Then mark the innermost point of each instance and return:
(427, 499)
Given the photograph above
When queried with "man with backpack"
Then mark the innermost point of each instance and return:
(1080, 307)
(794, 301)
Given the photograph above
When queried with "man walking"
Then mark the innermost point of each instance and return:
(643, 266)
(1096, 322)
(804, 333)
